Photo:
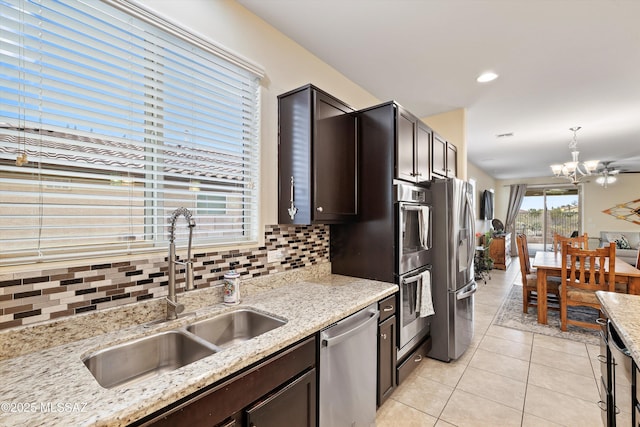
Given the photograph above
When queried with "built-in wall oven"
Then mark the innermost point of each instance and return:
(413, 325)
(413, 227)
(413, 234)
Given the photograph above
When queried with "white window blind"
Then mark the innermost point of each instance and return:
(108, 123)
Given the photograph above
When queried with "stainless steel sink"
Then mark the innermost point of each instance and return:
(144, 358)
(236, 326)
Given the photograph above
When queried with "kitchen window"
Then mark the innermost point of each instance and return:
(110, 119)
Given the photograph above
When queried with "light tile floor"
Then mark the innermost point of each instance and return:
(506, 378)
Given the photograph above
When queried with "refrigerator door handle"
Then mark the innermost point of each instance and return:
(471, 239)
(467, 294)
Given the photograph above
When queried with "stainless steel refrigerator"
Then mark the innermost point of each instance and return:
(453, 284)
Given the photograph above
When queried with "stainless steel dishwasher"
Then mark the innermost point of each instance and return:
(348, 357)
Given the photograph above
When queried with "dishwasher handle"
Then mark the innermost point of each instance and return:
(331, 341)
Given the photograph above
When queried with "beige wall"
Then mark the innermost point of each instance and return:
(597, 199)
(452, 127)
(286, 64)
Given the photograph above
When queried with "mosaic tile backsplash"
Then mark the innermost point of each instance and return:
(49, 294)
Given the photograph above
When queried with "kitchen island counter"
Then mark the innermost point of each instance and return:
(53, 387)
(624, 311)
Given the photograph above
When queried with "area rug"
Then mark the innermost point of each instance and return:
(510, 315)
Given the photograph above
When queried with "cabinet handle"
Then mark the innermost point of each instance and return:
(602, 358)
(602, 322)
(319, 209)
(292, 209)
(388, 308)
(418, 358)
(384, 336)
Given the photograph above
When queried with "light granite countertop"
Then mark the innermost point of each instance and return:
(52, 386)
(624, 311)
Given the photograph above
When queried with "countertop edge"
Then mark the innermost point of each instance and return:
(624, 311)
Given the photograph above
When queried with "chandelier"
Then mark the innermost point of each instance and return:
(574, 171)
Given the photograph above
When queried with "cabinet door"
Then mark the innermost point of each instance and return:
(293, 405)
(439, 156)
(452, 160)
(386, 358)
(635, 395)
(226, 402)
(335, 161)
(423, 152)
(406, 136)
(317, 158)
(294, 157)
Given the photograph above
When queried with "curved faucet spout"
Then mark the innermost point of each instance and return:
(174, 217)
(173, 308)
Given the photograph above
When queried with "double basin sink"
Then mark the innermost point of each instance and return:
(142, 358)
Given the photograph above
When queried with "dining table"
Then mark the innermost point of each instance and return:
(549, 264)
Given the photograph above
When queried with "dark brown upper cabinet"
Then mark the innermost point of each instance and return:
(317, 158)
(452, 160)
(445, 158)
(413, 148)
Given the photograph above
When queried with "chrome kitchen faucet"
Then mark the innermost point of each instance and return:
(173, 308)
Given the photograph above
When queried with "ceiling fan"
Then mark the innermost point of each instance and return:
(607, 174)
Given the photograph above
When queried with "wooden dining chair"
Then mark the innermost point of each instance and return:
(530, 279)
(583, 274)
(581, 242)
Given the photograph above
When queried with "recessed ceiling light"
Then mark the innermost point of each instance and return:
(487, 77)
(504, 135)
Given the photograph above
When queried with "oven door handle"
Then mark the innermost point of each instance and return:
(412, 296)
(425, 227)
(411, 279)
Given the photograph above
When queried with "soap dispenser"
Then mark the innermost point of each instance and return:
(232, 288)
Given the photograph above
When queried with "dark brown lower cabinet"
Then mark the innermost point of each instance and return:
(294, 405)
(283, 387)
(412, 361)
(635, 395)
(386, 358)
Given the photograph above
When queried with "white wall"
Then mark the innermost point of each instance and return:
(287, 66)
(484, 181)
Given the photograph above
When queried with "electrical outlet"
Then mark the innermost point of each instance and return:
(275, 255)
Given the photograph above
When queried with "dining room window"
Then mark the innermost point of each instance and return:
(110, 119)
(547, 210)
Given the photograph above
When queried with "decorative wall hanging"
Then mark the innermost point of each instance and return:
(629, 211)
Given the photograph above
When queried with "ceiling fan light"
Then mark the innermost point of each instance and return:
(604, 180)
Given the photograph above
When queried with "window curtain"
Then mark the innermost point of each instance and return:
(516, 195)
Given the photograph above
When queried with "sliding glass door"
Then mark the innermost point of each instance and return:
(548, 210)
